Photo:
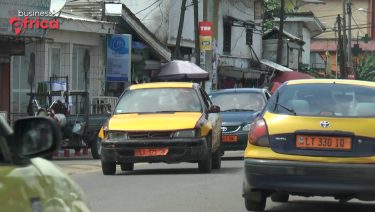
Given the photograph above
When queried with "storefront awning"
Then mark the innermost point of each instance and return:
(274, 65)
(240, 73)
(146, 35)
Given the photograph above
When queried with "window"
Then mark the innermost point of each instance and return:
(78, 75)
(249, 36)
(227, 37)
(54, 56)
(159, 100)
(333, 100)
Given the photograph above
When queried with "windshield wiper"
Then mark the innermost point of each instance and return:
(287, 109)
(237, 110)
(277, 104)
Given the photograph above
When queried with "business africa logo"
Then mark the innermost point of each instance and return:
(27, 20)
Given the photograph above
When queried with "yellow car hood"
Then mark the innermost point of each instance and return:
(154, 121)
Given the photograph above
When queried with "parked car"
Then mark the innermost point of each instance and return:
(314, 138)
(239, 108)
(162, 122)
(31, 183)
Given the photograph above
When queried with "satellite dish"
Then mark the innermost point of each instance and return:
(56, 6)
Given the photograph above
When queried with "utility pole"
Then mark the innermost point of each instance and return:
(196, 32)
(341, 48)
(177, 52)
(350, 60)
(281, 33)
(344, 39)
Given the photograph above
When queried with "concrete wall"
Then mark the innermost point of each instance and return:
(241, 11)
(306, 48)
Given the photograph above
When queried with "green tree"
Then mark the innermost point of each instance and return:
(366, 68)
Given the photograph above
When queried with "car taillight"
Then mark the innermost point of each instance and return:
(258, 134)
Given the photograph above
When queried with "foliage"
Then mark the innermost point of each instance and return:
(271, 10)
(366, 69)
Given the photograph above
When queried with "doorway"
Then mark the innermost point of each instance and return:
(5, 87)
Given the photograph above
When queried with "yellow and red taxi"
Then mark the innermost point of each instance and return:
(314, 138)
(162, 122)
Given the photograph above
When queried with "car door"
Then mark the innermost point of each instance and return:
(215, 120)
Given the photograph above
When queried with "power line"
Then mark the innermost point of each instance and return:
(147, 7)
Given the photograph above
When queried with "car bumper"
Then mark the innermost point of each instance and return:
(179, 150)
(308, 178)
(239, 145)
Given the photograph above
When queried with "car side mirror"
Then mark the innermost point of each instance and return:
(34, 137)
(214, 109)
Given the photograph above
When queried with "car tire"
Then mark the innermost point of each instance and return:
(205, 166)
(216, 159)
(96, 149)
(108, 168)
(252, 205)
(127, 166)
(280, 197)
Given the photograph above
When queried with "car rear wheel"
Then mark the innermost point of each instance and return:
(280, 197)
(127, 166)
(96, 148)
(108, 168)
(252, 205)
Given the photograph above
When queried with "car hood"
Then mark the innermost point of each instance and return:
(38, 185)
(237, 118)
(154, 121)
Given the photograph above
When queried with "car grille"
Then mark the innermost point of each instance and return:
(228, 129)
(157, 134)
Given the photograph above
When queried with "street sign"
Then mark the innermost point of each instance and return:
(205, 35)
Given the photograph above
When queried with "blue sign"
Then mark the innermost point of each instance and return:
(118, 58)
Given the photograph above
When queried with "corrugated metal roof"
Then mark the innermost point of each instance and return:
(274, 65)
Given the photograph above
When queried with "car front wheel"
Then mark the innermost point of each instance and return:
(216, 159)
(205, 166)
(252, 205)
(108, 168)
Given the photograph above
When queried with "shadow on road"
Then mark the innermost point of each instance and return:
(323, 206)
(183, 171)
(232, 158)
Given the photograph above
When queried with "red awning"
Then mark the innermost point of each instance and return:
(290, 75)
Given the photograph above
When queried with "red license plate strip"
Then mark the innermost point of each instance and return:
(229, 138)
(323, 142)
(150, 152)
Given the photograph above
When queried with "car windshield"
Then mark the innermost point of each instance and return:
(239, 101)
(324, 100)
(159, 100)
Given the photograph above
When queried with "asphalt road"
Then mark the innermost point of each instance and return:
(181, 188)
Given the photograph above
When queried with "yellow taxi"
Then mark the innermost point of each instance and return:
(314, 138)
(28, 182)
(162, 122)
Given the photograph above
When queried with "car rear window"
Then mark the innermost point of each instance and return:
(324, 100)
(239, 101)
(154, 100)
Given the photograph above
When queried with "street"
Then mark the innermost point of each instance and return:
(180, 187)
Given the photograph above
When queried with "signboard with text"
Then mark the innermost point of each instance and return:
(205, 35)
(13, 14)
(118, 57)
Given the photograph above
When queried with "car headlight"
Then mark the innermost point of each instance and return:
(246, 127)
(116, 136)
(185, 134)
